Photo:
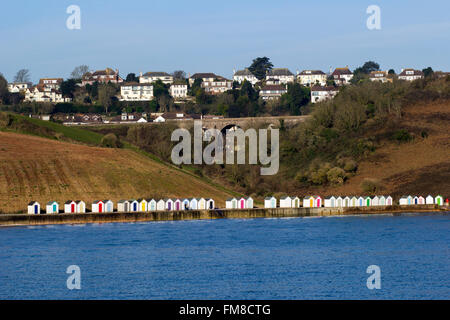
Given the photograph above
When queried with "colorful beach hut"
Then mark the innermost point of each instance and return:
(185, 204)
(134, 205)
(375, 201)
(52, 207)
(80, 206)
(177, 204)
(109, 206)
(347, 202)
(98, 206)
(210, 204)
(242, 203)
(70, 207)
(368, 201)
(439, 200)
(123, 206)
(295, 202)
(201, 203)
(142, 205)
(389, 201)
(34, 207)
(360, 202)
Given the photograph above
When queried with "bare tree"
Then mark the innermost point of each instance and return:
(106, 93)
(179, 75)
(23, 75)
(79, 71)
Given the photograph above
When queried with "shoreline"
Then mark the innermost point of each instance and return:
(114, 217)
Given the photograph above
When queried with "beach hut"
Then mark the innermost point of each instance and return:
(318, 201)
(249, 203)
(242, 203)
(201, 203)
(382, 201)
(295, 202)
(229, 203)
(308, 202)
(368, 201)
(389, 201)
(429, 200)
(234, 203)
(416, 200)
(439, 200)
(185, 204)
(421, 200)
(354, 201)
(410, 200)
(151, 205)
(123, 206)
(98, 206)
(193, 204)
(330, 202)
(360, 202)
(270, 202)
(210, 204)
(109, 206)
(339, 202)
(376, 201)
(80, 206)
(403, 201)
(52, 207)
(177, 204)
(347, 202)
(70, 206)
(285, 202)
(169, 204)
(134, 205)
(142, 205)
(34, 207)
(161, 205)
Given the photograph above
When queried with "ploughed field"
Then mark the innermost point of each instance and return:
(34, 168)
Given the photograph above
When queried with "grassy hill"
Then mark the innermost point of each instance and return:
(37, 168)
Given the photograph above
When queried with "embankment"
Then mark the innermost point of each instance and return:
(42, 219)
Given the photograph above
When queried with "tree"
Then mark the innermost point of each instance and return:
(23, 75)
(131, 77)
(260, 66)
(391, 71)
(4, 93)
(367, 68)
(68, 87)
(79, 71)
(428, 72)
(179, 75)
(106, 92)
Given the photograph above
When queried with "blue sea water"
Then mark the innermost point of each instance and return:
(298, 258)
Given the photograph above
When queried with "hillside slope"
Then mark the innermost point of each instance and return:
(35, 168)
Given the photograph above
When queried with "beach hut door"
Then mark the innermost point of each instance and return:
(72, 208)
(100, 207)
(54, 208)
(135, 206)
(36, 209)
(169, 206)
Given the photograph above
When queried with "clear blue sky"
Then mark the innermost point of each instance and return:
(217, 36)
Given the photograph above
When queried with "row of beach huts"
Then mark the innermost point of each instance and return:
(139, 205)
(145, 205)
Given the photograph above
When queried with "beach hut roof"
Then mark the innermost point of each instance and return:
(231, 199)
(79, 201)
(123, 201)
(285, 197)
(249, 198)
(33, 202)
(52, 202)
(133, 200)
(69, 202)
(97, 201)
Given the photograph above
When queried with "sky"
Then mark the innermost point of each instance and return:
(219, 36)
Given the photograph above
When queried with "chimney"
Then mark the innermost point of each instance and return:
(234, 72)
(140, 73)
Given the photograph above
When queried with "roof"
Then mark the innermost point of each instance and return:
(203, 75)
(309, 72)
(244, 72)
(340, 71)
(280, 72)
(122, 201)
(415, 72)
(107, 71)
(69, 202)
(327, 88)
(156, 74)
(273, 87)
(33, 202)
(124, 84)
(51, 202)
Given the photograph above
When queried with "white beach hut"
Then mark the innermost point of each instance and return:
(109, 206)
(143, 205)
(34, 207)
(52, 207)
(295, 202)
(70, 207)
(249, 203)
(308, 202)
(360, 202)
(389, 201)
(177, 204)
(330, 202)
(229, 203)
(382, 201)
(169, 204)
(339, 202)
(285, 202)
(242, 204)
(98, 206)
(151, 205)
(347, 202)
(134, 205)
(81, 206)
(270, 202)
(123, 206)
(429, 200)
(416, 200)
(210, 204)
(403, 201)
(375, 201)
(201, 203)
(185, 204)
(421, 200)
(193, 204)
(161, 205)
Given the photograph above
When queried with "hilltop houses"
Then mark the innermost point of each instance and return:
(312, 77)
(342, 76)
(101, 76)
(241, 75)
(272, 91)
(283, 75)
(44, 94)
(381, 76)
(178, 90)
(212, 83)
(17, 87)
(319, 93)
(410, 74)
(151, 77)
(51, 83)
(133, 91)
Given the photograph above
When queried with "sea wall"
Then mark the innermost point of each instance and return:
(81, 218)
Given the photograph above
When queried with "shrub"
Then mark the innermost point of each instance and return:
(402, 136)
(111, 141)
(336, 175)
(370, 185)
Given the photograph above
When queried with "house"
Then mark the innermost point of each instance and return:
(429, 200)
(151, 77)
(242, 203)
(272, 91)
(285, 202)
(185, 204)
(205, 77)
(151, 205)
(177, 204)
(167, 116)
(342, 76)
(210, 204)
(17, 87)
(295, 202)
(270, 202)
(330, 202)
(41, 94)
(169, 204)
(133, 91)
(229, 203)
(241, 75)
(410, 74)
(98, 206)
(34, 207)
(213, 84)
(101, 76)
(439, 200)
(319, 93)
(249, 203)
(142, 205)
(201, 203)
(160, 205)
(193, 204)
(81, 206)
(381, 76)
(70, 207)
(312, 77)
(51, 83)
(283, 75)
(134, 205)
(178, 90)
(52, 207)
(123, 206)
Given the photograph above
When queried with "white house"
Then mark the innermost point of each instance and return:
(16, 87)
(101, 76)
(52, 207)
(380, 76)
(312, 77)
(40, 94)
(212, 83)
(178, 90)
(319, 93)
(342, 76)
(429, 200)
(270, 202)
(410, 74)
(34, 207)
(70, 207)
(241, 75)
(283, 75)
(136, 92)
(161, 205)
(150, 77)
(51, 83)
(272, 91)
(285, 202)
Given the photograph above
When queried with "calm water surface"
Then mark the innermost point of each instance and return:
(298, 258)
